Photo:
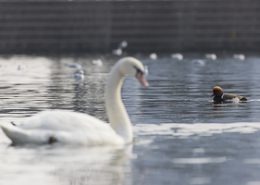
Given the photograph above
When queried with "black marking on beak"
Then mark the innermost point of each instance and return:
(139, 71)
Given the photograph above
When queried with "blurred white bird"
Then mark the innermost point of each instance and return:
(74, 65)
(79, 74)
(97, 62)
(153, 56)
(177, 56)
(211, 56)
(123, 44)
(199, 62)
(118, 52)
(239, 56)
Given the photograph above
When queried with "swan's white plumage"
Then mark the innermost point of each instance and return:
(65, 126)
(77, 128)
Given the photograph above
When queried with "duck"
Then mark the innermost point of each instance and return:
(69, 127)
(220, 97)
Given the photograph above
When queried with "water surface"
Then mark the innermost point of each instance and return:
(180, 136)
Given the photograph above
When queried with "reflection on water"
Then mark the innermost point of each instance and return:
(180, 136)
(59, 165)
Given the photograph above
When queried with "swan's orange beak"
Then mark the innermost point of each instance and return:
(141, 78)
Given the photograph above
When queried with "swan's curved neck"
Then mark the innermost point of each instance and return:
(115, 108)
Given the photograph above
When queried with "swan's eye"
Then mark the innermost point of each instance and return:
(138, 71)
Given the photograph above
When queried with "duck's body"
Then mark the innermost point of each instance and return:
(220, 97)
(226, 98)
(69, 127)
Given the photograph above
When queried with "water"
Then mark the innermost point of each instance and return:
(180, 136)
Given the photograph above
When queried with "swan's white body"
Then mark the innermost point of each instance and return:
(77, 128)
(65, 126)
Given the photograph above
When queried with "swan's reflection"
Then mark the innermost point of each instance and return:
(95, 166)
(65, 165)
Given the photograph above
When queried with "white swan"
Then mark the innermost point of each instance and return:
(68, 127)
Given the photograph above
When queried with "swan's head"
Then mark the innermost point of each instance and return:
(130, 66)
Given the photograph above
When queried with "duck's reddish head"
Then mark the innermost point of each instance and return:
(217, 91)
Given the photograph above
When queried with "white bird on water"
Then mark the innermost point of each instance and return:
(119, 51)
(123, 44)
(68, 127)
(177, 56)
(239, 56)
(199, 62)
(153, 56)
(79, 74)
(97, 62)
(74, 65)
(211, 56)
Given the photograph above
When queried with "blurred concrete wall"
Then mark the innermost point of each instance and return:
(51, 26)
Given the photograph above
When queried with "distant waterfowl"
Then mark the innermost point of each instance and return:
(211, 56)
(68, 127)
(74, 65)
(220, 97)
(123, 44)
(97, 62)
(118, 52)
(120, 49)
(177, 56)
(79, 74)
(199, 62)
(239, 56)
(153, 56)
